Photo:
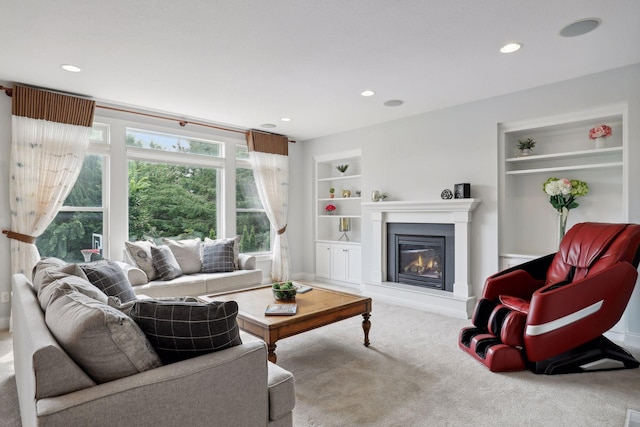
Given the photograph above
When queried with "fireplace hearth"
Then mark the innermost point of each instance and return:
(421, 254)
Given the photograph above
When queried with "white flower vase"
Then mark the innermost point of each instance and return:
(601, 142)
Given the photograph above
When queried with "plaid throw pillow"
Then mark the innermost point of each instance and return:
(218, 256)
(180, 330)
(165, 263)
(110, 279)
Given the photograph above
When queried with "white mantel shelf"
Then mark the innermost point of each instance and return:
(458, 212)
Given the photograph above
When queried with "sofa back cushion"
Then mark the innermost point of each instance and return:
(47, 274)
(69, 283)
(187, 253)
(106, 343)
(180, 330)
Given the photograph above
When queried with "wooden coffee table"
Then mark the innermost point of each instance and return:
(316, 308)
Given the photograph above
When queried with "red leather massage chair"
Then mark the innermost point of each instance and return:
(549, 314)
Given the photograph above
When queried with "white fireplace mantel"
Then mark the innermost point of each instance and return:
(458, 212)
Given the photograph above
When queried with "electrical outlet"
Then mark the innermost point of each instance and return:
(4, 296)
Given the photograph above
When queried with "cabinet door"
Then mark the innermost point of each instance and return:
(354, 269)
(339, 256)
(323, 260)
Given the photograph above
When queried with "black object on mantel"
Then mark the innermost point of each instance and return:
(462, 191)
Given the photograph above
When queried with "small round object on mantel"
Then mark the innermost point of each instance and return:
(446, 194)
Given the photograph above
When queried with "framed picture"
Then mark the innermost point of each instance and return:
(462, 191)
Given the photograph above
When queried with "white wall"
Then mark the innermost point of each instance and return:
(417, 157)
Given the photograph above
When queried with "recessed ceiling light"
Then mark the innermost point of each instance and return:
(510, 47)
(285, 119)
(581, 27)
(367, 93)
(71, 68)
(267, 125)
(393, 103)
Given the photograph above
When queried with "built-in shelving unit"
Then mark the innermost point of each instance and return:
(527, 221)
(336, 257)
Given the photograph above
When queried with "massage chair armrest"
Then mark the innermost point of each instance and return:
(519, 281)
(565, 317)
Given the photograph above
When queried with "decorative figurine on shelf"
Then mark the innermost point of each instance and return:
(346, 193)
(600, 134)
(446, 194)
(342, 169)
(331, 191)
(330, 209)
(383, 196)
(526, 146)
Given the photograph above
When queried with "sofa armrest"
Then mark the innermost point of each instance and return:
(228, 387)
(247, 262)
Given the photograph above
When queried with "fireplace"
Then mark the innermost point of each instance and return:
(421, 254)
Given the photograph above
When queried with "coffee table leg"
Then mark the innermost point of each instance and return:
(366, 325)
(272, 353)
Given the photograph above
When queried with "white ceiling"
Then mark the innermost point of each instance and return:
(250, 62)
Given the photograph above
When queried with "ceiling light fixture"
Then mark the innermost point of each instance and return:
(285, 119)
(393, 103)
(581, 27)
(267, 125)
(71, 68)
(510, 47)
(367, 93)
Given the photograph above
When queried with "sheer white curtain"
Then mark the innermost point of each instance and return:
(46, 158)
(269, 157)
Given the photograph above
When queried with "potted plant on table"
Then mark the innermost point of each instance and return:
(525, 146)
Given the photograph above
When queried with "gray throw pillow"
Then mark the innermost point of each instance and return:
(165, 263)
(140, 252)
(187, 253)
(48, 275)
(66, 284)
(104, 342)
(180, 330)
(236, 248)
(217, 256)
(110, 279)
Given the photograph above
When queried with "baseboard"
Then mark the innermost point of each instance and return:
(625, 339)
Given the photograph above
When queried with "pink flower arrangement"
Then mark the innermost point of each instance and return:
(330, 208)
(600, 131)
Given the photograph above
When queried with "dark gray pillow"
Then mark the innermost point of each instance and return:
(181, 330)
(110, 279)
(218, 256)
(165, 262)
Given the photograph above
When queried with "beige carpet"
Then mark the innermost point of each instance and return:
(413, 374)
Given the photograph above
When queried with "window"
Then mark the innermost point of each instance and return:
(252, 223)
(80, 223)
(175, 196)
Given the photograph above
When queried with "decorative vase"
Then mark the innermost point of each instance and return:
(346, 193)
(330, 212)
(375, 196)
(601, 142)
(563, 215)
(525, 152)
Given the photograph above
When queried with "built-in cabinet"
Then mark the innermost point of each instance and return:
(528, 224)
(338, 232)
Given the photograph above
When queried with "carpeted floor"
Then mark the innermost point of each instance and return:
(413, 374)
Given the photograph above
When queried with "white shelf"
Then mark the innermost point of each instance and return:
(527, 222)
(339, 216)
(612, 165)
(339, 178)
(570, 154)
(329, 199)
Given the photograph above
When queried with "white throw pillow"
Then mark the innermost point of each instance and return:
(187, 253)
(140, 252)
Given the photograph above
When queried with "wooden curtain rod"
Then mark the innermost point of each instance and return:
(9, 92)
